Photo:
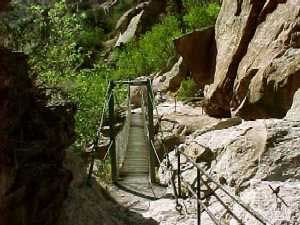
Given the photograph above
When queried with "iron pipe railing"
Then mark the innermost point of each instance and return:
(209, 213)
(256, 215)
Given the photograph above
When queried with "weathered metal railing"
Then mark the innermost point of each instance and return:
(153, 107)
(98, 136)
(122, 137)
(118, 145)
(197, 194)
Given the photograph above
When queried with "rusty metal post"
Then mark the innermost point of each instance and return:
(198, 197)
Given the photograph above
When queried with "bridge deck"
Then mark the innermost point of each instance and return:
(136, 161)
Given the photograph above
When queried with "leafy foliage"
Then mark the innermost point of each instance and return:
(150, 53)
(188, 88)
(63, 44)
(200, 15)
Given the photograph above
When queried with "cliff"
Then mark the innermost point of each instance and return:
(33, 137)
(254, 72)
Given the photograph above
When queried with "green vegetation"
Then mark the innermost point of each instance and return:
(65, 48)
(188, 88)
(200, 15)
(150, 53)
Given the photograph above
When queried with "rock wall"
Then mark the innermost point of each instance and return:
(33, 136)
(257, 62)
(139, 20)
(248, 158)
(198, 50)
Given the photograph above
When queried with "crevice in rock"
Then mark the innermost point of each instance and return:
(250, 29)
(243, 89)
(239, 8)
(294, 35)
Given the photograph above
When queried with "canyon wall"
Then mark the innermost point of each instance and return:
(257, 69)
(33, 136)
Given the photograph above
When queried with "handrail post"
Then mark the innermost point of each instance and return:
(113, 155)
(151, 130)
(178, 174)
(198, 196)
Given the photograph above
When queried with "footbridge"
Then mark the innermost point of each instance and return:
(134, 159)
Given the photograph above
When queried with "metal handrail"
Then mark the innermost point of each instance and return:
(236, 199)
(256, 215)
(98, 135)
(122, 148)
(169, 164)
(147, 133)
(222, 202)
(210, 214)
(155, 151)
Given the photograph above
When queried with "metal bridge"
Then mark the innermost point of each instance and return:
(134, 158)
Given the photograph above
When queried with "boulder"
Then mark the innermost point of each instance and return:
(189, 122)
(238, 150)
(199, 153)
(125, 19)
(293, 113)
(281, 209)
(137, 92)
(257, 63)
(152, 14)
(281, 159)
(198, 50)
(139, 20)
(171, 80)
(264, 149)
(218, 125)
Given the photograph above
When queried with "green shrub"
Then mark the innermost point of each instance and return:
(201, 15)
(91, 38)
(150, 53)
(87, 89)
(188, 88)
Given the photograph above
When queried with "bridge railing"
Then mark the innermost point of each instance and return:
(98, 135)
(197, 193)
(117, 146)
(149, 117)
(200, 180)
(123, 136)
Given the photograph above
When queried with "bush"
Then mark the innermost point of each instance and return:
(188, 88)
(150, 53)
(87, 89)
(201, 15)
(91, 38)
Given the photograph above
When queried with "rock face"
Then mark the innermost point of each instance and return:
(171, 80)
(139, 19)
(245, 157)
(138, 93)
(131, 30)
(33, 136)
(198, 50)
(258, 59)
